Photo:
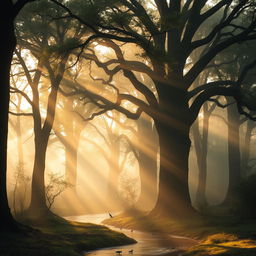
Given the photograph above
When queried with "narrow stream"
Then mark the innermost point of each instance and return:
(147, 244)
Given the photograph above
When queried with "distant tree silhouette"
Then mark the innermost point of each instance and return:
(50, 46)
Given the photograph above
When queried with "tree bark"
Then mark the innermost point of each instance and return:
(201, 153)
(246, 148)
(7, 46)
(147, 163)
(173, 125)
(38, 205)
(234, 158)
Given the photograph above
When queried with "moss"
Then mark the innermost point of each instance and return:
(58, 238)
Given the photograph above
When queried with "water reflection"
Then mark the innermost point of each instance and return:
(148, 244)
(90, 218)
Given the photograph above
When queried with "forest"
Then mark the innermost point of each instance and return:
(141, 111)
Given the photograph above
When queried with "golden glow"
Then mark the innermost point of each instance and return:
(106, 173)
(102, 49)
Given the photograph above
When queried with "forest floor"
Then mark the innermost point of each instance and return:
(219, 236)
(58, 237)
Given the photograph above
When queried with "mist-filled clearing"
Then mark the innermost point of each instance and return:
(140, 110)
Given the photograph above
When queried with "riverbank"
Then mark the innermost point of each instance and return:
(148, 243)
(216, 236)
(58, 237)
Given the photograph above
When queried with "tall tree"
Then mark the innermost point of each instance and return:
(19, 190)
(201, 149)
(50, 46)
(146, 155)
(68, 128)
(229, 65)
(168, 32)
(147, 160)
(246, 148)
(7, 45)
(116, 150)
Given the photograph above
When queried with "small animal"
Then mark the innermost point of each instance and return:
(131, 251)
(119, 252)
(110, 215)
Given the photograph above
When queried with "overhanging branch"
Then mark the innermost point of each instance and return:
(20, 114)
(232, 91)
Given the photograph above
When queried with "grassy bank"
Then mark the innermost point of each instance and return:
(57, 237)
(216, 236)
(223, 244)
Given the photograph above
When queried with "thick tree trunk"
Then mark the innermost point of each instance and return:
(234, 158)
(147, 163)
(7, 45)
(246, 148)
(173, 125)
(200, 200)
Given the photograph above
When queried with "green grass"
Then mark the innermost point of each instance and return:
(58, 237)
